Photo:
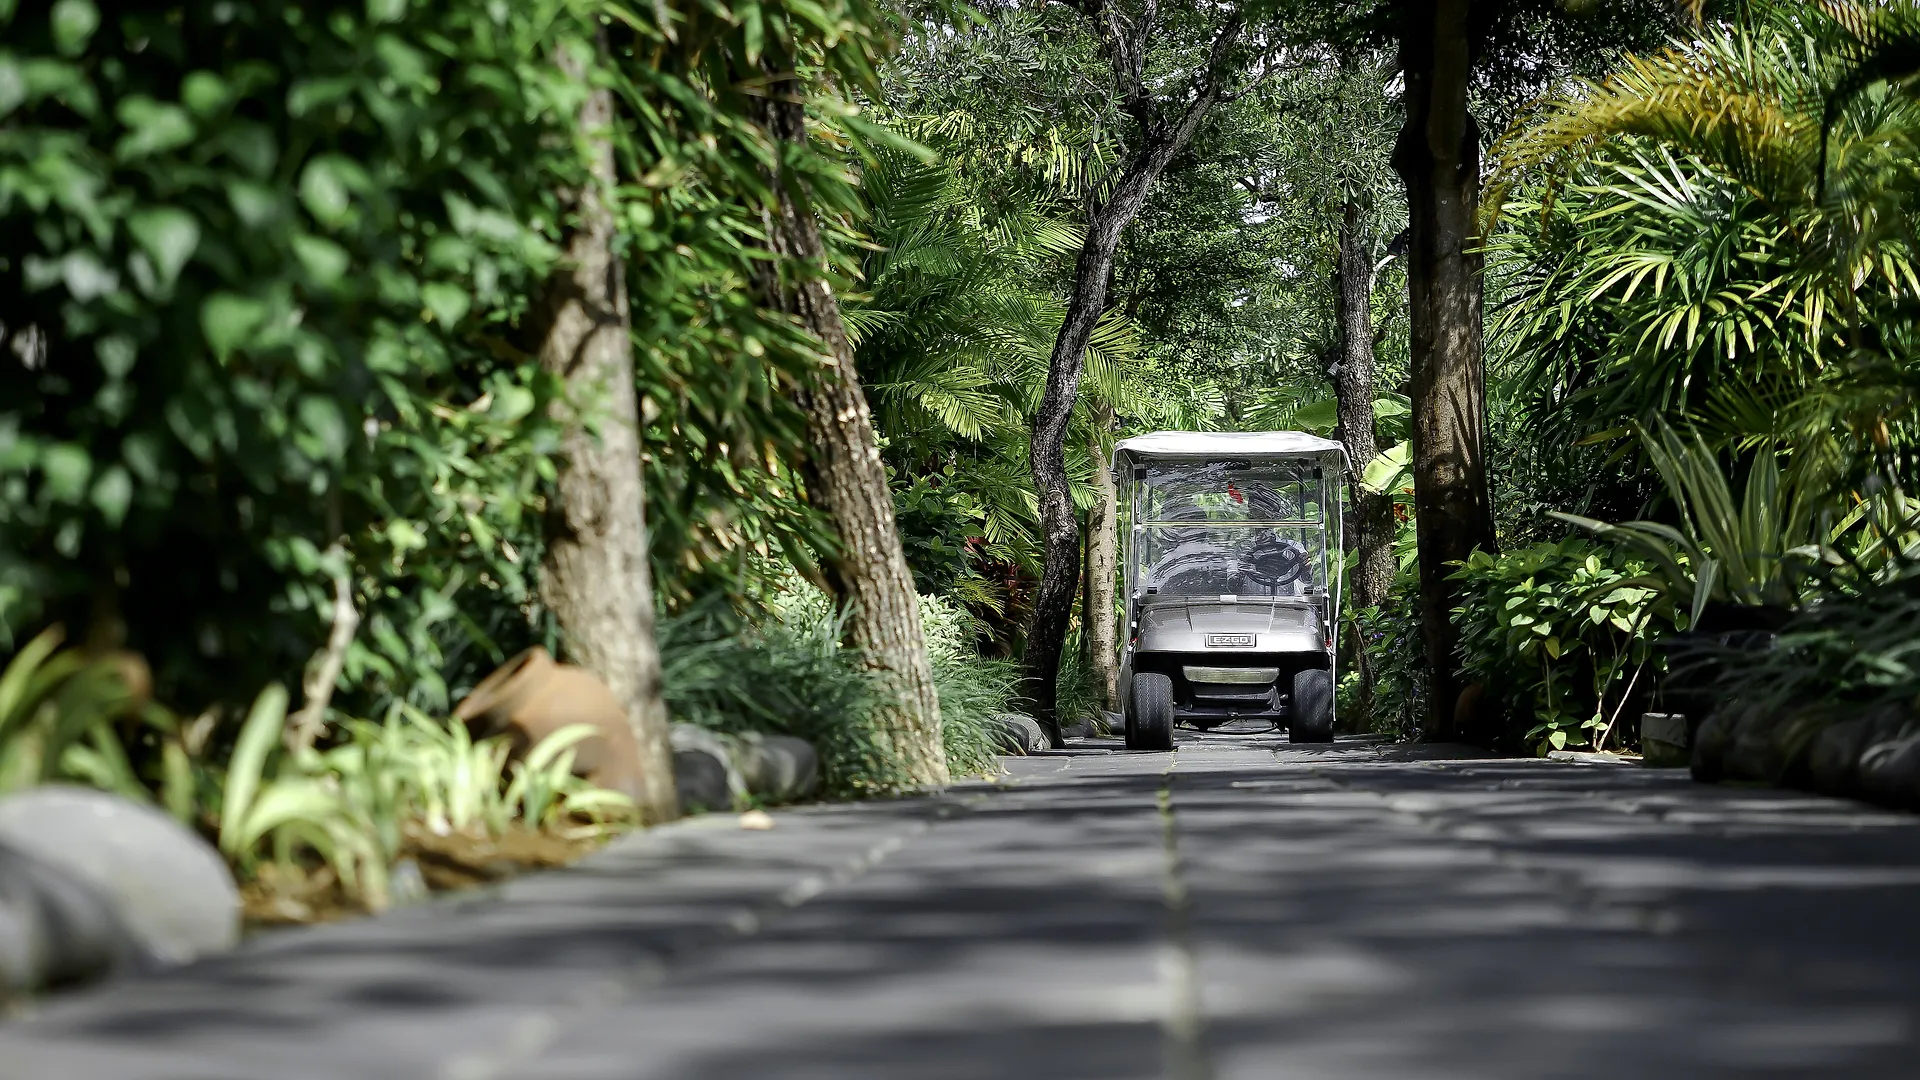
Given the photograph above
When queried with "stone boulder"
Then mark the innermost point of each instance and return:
(777, 768)
(167, 887)
(57, 929)
(1018, 733)
(1707, 763)
(704, 772)
(716, 771)
(1833, 757)
(1889, 772)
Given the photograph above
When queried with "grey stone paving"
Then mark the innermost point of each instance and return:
(1238, 909)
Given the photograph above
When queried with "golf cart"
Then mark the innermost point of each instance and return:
(1232, 576)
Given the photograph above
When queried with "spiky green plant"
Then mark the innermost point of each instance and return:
(1723, 231)
(1737, 549)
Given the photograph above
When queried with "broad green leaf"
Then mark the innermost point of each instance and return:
(13, 82)
(229, 321)
(204, 92)
(169, 236)
(74, 22)
(1385, 470)
(447, 302)
(153, 127)
(327, 185)
(324, 261)
(324, 426)
(246, 770)
(112, 492)
(65, 469)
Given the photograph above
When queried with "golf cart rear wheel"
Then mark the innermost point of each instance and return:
(1150, 717)
(1312, 717)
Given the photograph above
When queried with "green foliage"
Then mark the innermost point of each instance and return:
(1722, 230)
(1740, 551)
(1394, 653)
(1560, 633)
(58, 708)
(790, 675)
(261, 262)
(356, 805)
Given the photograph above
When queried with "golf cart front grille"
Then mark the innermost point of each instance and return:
(1232, 676)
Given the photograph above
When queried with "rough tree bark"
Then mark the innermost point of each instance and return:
(1157, 138)
(1438, 157)
(1373, 529)
(595, 578)
(844, 474)
(1099, 632)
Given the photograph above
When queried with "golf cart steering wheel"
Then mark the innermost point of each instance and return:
(1276, 561)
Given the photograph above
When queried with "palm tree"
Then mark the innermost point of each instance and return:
(1722, 232)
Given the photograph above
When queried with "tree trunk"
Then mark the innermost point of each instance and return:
(1092, 273)
(1372, 536)
(846, 478)
(1438, 157)
(1099, 629)
(595, 578)
(1059, 530)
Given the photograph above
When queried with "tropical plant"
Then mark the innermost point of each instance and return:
(58, 709)
(1721, 230)
(790, 675)
(1388, 642)
(1744, 551)
(1562, 633)
(358, 806)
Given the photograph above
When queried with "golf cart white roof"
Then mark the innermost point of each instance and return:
(1191, 445)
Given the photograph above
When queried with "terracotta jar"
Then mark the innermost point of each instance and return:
(531, 696)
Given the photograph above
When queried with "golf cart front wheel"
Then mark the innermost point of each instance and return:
(1312, 716)
(1150, 718)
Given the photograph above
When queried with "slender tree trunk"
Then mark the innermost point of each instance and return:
(1099, 629)
(1059, 529)
(595, 579)
(1438, 156)
(846, 478)
(1372, 535)
(1092, 272)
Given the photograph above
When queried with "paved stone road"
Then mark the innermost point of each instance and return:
(1239, 909)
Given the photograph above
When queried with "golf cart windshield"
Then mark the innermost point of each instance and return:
(1249, 529)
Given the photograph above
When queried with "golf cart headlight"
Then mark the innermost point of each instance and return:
(1237, 676)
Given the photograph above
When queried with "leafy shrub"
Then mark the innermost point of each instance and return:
(1562, 633)
(57, 713)
(260, 262)
(1857, 644)
(972, 689)
(363, 804)
(1395, 654)
(789, 675)
(1077, 693)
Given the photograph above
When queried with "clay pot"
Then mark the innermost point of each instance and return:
(530, 697)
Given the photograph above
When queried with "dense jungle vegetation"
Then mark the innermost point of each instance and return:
(347, 347)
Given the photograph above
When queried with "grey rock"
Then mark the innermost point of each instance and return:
(1753, 753)
(1082, 729)
(778, 768)
(1018, 733)
(1833, 757)
(705, 770)
(1889, 772)
(171, 889)
(1708, 761)
(56, 928)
